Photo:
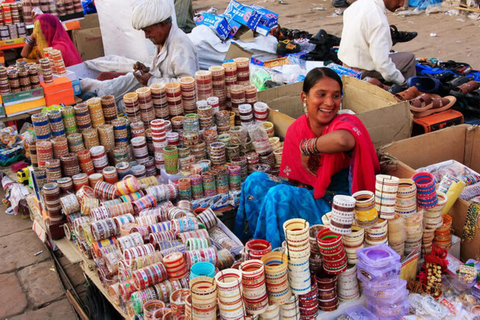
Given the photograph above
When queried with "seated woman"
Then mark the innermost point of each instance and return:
(48, 31)
(324, 154)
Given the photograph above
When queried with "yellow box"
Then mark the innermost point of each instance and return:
(17, 108)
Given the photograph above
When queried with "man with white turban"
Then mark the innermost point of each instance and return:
(175, 54)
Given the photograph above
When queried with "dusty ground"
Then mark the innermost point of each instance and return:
(456, 36)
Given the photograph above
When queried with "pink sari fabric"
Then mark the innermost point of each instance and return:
(362, 160)
(57, 38)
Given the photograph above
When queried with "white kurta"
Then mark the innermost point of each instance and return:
(366, 39)
(177, 58)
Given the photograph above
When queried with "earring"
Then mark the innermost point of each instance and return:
(305, 108)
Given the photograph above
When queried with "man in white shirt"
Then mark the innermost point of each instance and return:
(366, 42)
(175, 54)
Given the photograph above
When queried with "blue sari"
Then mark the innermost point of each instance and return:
(266, 202)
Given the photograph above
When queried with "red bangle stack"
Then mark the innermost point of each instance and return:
(175, 264)
(333, 252)
(149, 276)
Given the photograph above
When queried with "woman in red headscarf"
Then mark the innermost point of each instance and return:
(48, 31)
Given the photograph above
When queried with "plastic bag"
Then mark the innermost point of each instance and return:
(422, 4)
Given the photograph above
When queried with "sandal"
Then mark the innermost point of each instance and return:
(467, 87)
(408, 94)
(422, 103)
(438, 105)
(425, 84)
(401, 36)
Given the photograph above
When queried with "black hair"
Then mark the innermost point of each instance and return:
(316, 74)
(167, 21)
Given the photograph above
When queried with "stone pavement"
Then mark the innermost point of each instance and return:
(30, 286)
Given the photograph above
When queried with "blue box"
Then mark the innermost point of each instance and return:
(234, 26)
(269, 18)
(245, 15)
(215, 22)
(76, 87)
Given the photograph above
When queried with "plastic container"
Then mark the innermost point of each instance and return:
(367, 273)
(389, 311)
(377, 256)
(388, 296)
(388, 291)
(360, 313)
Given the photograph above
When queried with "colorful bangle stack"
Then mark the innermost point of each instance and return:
(53, 170)
(327, 291)
(397, 234)
(377, 234)
(69, 122)
(70, 204)
(276, 275)
(386, 195)
(149, 276)
(96, 111)
(109, 108)
(41, 126)
(202, 255)
(75, 142)
(342, 214)
(406, 204)
(426, 193)
(99, 158)
(366, 214)
(106, 136)
(202, 269)
(433, 215)
(127, 185)
(443, 237)
(82, 117)
(56, 123)
(256, 249)
(175, 265)
(308, 303)
(333, 252)
(348, 284)
(308, 147)
(414, 231)
(94, 178)
(204, 298)
(145, 103)
(352, 242)
(291, 309)
(230, 295)
(120, 132)
(104, 229)
(138, 251)
(298, 251)
(254, 288)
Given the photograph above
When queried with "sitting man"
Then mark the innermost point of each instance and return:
(175, 55)
(367, 41)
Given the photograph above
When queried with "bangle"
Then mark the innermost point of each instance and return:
(29, 41)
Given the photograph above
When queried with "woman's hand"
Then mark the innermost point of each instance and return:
(310, 163)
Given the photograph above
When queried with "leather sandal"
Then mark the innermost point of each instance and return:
(422, 103)
(467, 87)
(438, 105)
(408, 94)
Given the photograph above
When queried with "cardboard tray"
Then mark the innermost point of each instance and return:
(460, 143)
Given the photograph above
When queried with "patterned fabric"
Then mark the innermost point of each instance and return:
(266, 202)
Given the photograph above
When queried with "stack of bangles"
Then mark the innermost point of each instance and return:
(406, 204)
(348, 284)
(333, 252)
(104, 229)
(308, 303)
(254, 288)
(443, 237)
(202, 255)
(291, 310)
(149, 276)
(128, 185)
(230, 295)
(202, 269)
(426, 192)
(377, 234)
(352, 242)
(386, 195)
(204, 298)
(132, 240)
(257, 248)
(138, 251)
(298, 250)
(342, 216)
(276, 275)
(177, 302)
(366, 214)
(175, 264)
(327, 291)
(308, 147)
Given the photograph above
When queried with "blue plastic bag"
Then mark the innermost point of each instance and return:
(422, 4)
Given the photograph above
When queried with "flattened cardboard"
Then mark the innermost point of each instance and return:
(460, 143)
(235, 51)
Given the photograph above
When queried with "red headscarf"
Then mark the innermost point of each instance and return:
(57, 38)
(363, 162)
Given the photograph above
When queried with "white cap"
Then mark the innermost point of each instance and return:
(149, 12)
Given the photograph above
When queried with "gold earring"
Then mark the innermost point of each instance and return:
(305, 108)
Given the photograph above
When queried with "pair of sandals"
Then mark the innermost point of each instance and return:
(425, 104)
(444, 83)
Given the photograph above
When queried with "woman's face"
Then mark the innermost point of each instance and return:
(323, 100)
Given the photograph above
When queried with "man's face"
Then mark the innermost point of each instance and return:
(393, 5)
(157, 33)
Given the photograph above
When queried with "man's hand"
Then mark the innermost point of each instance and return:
(142, 77)
(138, 66)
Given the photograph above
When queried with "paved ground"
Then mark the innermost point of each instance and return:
(31, 288)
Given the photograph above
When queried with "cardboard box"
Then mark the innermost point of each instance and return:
(386, 119)
(215, 22)
(15, 108)
(21, 102)
(90, 21)
(59, 91)
(460, 143)
(245, 15)
(89, 43)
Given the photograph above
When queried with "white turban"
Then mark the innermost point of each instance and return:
(149, 12)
